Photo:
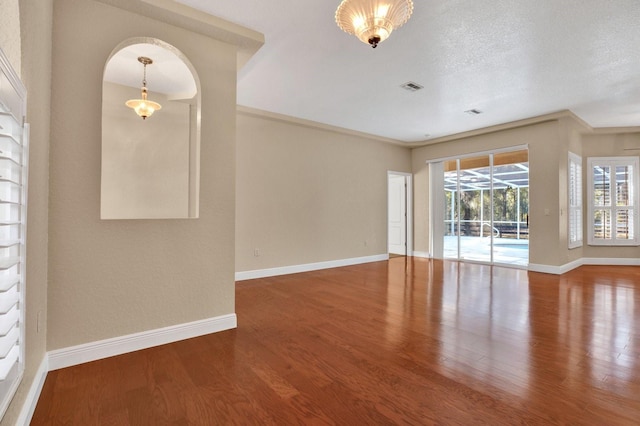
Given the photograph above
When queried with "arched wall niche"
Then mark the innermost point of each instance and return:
(150, 167)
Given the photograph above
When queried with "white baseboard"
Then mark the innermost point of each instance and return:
(422, 254)
(611, 261)
(66, 357)
(30, 403)
(285, 270)
(555, 270)
(559, 270)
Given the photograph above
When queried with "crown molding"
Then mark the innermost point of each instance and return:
(555, 116)
(616, 130)
(315, 125)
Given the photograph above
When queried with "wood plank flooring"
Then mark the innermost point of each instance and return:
(414, 341)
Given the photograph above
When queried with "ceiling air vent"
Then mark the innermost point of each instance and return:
(411, 86)
(473, 112)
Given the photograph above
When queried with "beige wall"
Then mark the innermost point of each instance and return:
(307, 194)
(35, 28)
(10, 32)
(112, 278)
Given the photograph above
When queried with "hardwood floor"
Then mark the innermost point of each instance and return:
(422, 342)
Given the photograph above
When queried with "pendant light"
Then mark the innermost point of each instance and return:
(372, 21)
(144, 107)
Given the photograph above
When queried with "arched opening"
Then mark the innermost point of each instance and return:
(150, 166)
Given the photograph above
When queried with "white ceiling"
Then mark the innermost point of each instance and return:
(510, 59)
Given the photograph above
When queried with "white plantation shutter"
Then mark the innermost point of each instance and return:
(13, 199)
(575, 200)
(613, 201)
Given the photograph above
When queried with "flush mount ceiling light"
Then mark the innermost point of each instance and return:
(144, 107)
(373, 20)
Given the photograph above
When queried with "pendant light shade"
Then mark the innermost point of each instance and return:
(144, 107)
(372, 21)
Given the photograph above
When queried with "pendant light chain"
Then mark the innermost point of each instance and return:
(144, 76)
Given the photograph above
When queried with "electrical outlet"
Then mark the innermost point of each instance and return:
(256, 252)
(38, 316)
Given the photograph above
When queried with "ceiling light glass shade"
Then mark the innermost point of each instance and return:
(143, 107)
(372, 21)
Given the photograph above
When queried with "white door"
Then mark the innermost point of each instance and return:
(397, 238)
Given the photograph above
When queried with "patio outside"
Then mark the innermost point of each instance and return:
(491, 213)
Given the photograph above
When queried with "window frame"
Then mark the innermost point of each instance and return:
(612, 162)
(575, 202)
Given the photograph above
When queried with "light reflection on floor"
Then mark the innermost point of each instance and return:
(488, 327)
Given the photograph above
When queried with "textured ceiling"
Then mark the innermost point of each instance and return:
(510, 59)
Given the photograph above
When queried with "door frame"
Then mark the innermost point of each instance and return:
(408, 207)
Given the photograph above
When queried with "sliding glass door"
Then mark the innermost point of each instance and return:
(486, 208)
(467, 209)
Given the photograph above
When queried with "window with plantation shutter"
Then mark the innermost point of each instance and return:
(575, 200)
(613, 201)
(13, 199)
